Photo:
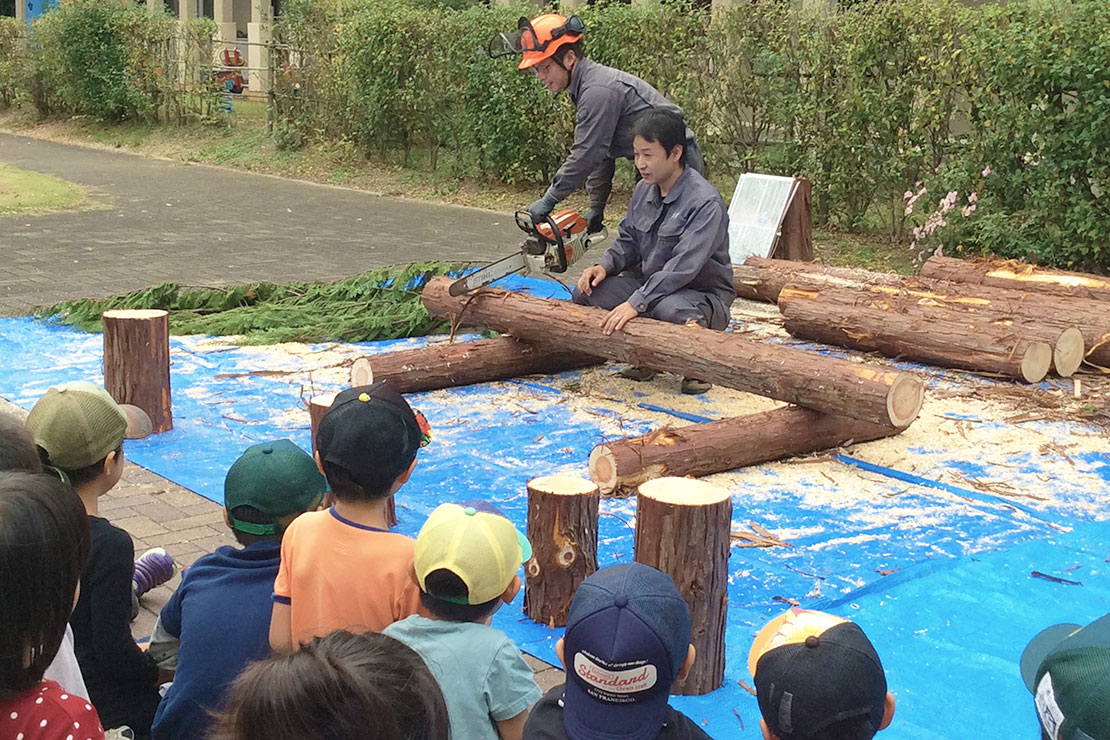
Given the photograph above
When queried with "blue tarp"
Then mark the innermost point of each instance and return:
(949, 618)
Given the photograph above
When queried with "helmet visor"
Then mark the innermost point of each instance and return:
(510, 43)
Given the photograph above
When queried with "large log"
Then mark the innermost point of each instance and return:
(815, 381)
(762, 279)
(1018, 276)
(683, 528)
(717, 446)
(827, 316)
(465, 363)
(562, 527)
(137, 362)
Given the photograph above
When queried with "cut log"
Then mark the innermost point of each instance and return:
(827, 316)
(317, 406)
(762, 279)
(717, 446)
(823, 383)
(464, 363)
(683, 528)
(1018, 276)
(796, 234)
(137, 362)
(562, 527)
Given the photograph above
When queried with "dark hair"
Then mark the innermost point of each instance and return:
(18, 450)
(346, 488)
(339, 687)
(44, 543)
(578, 47)
(251, 515)
(858, 727)
(445, 583)
(80, 476)
(664, 127)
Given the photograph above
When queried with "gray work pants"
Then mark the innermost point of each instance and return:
(677, 308)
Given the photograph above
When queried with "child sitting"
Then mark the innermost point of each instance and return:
(627, 642)
(209, 644)
(80, 430)
(467, 557)
(44, 543)
(818, 677)
(339, 687)
(341, 568)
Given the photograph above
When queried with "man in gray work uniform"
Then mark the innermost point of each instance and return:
(608, 102)
(670, 260)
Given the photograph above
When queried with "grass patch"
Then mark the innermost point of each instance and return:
(22, 191)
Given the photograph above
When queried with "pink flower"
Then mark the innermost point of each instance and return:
(907, 195)
(968, 210)
(987, 171)
(973, 198)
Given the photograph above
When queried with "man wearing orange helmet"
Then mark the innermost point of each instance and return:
(608, 102)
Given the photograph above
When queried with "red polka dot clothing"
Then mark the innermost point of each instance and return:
(47, 712)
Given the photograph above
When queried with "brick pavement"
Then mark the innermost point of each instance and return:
(167, 221)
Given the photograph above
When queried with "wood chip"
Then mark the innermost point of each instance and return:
(747, 688)
(786, 600)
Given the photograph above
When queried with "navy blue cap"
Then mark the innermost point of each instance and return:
(628, 632)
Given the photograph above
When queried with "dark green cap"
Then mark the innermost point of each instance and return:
(278, 478)
(1067, 668)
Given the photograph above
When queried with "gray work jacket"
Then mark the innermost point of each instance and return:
(608, 102)
(674, 243)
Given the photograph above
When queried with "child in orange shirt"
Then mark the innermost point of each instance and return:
(341, 569)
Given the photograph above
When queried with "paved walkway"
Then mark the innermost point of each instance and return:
(208, 226)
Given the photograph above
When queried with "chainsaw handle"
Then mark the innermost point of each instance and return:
(528, 225)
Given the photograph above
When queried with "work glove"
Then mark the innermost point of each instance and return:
(540, 209)
(594, 220)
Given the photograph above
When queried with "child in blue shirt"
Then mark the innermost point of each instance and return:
(466, 560)
(218, 620)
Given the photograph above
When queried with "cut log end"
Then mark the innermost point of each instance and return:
(135, 314)
(1036, 362)
(603, 469)
(903, 403)
(1067, 355)
(683, 492)
(361, 372)
(562, 485)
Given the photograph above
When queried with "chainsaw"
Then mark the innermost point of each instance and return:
(551, 246)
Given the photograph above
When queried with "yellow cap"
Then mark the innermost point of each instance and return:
(791, 628)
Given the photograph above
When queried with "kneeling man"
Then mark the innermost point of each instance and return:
(670, 261)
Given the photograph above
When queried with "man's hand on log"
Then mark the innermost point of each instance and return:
(618, 317)
(591, 278)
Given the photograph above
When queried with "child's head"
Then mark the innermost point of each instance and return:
(343, 687)
(44, 542)
(267, 487)
(1067, 669)
(466, 560)
(817, 677)
(367, 442)
(80, 429)
(17, 445)
(627, 642)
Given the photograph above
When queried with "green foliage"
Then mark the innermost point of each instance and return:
(13, 60)
(380, 304)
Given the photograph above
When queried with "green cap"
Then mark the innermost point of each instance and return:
(1067, 668)
(278, 478)
(77, 424)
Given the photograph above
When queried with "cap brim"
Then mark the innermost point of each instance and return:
(139, 424)
(1039, 648)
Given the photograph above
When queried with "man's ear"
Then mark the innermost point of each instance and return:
(403, 478)
(319, 463)
(227, 518)
(511, 591)
(559, 653)
(109, 460)
(888, 711)
(765, 730)
(676, 152)
(691, 654)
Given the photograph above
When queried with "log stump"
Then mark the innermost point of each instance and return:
(317, 407)
(562, 527)
(727, 444)
(362, 373)
(683, 529)
(137, 362)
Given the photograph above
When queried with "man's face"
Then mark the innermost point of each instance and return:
(553, 76)
(653, 162)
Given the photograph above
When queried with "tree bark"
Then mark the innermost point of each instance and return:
(714, 447)
(464, 363)
(562, 527)
(683, 528)
(137, 362)
(762, 279)
(1018, 276)
(815, 381)
(796, 235)
(840, 318)
(317, 407)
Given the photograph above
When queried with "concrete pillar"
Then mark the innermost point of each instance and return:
(223, 13)
(188, 10)
(21, 11)
(260, 33)
(155, 6)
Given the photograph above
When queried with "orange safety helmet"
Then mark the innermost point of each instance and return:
(537, 39)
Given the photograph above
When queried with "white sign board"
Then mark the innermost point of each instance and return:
(755, 214)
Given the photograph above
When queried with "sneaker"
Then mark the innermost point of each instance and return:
(695, 387)
(153, 568)
(637, 373)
